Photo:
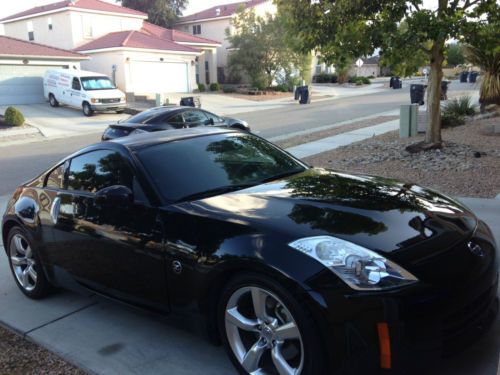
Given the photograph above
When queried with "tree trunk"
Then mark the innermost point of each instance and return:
(433, 132)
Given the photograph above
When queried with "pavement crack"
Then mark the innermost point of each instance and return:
(60, 318)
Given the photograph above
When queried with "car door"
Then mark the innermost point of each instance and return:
(215, 120)
(115, 249)
(195, 117)
(76, 93)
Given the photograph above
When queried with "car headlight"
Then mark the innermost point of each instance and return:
(94, 100)
(360, 268)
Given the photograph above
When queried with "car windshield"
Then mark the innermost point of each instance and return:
(206, 166)
(97, 83)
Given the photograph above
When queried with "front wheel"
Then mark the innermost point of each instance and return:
(53, 101)
(87, 110)
(25, 265)
(265, 330)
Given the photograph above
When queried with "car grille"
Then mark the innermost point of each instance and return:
(112, 100)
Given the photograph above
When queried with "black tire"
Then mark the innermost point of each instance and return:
(313, 359)
(120, 111)
(239, 127)
(87, 110)
(42, 287)
(53, 101)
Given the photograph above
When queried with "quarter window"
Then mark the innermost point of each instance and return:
(55, 178)
(96, 170)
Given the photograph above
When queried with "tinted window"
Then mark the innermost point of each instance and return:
(176, 119)
(144, 117)
(75, 85)
(96, 170)
(213, 117)
(197, 165)
(55, 178)
(195, 118)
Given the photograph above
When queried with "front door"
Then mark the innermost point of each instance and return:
(115, 249)
(76, 93)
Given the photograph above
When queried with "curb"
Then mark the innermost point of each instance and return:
(18, 132)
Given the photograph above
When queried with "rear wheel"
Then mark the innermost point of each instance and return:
(266, 331)
(87, 110)
(25, 265)
(52, 101)
(120, 111)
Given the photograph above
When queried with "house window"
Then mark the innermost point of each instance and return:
(87, 28)
(49, 22)
(31, 33)
(196, 29)
(207, 73)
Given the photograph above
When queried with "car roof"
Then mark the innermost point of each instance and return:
(168, 108)
(150, 139)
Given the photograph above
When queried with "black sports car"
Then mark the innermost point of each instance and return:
(296, 270)
(170, 117)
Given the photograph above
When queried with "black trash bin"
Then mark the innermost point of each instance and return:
(188, 101)
(444, 90)
(464, 76)
(417, 92)
(396, 83)
(473, 77)
(391, 82)
(302, 93)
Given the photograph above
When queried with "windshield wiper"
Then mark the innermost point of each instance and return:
(215, 191)
(281, 175)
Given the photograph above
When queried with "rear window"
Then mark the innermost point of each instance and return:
(144, 117)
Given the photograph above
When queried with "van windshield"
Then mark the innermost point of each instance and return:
(97, 83)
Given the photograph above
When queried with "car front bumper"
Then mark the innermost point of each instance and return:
(107, 106)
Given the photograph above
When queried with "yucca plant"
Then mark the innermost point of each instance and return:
(489, 62)
(462, 106)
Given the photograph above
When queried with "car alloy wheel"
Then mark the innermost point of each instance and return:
(262, 333)
(23, 262)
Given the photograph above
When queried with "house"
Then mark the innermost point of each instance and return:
(141, 57)
(212, 23)
(23, 65)
(370, 67)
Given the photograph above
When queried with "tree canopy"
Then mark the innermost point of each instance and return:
(160, 12)
(356, 28)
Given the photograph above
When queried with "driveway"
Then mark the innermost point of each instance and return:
(103, 337)
(64, 121)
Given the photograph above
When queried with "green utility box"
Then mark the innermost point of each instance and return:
(408, 120)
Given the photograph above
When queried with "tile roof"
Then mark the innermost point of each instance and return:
(17, 47)
(96, 5)
(134, 39)
(174, 35)
(225, 10)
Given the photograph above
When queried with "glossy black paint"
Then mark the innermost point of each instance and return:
(126, 251)
(167, 118)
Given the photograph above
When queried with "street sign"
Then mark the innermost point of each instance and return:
(359, 63)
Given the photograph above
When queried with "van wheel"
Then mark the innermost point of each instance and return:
(87, 110)
(52, 101)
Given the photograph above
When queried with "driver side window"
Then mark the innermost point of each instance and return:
(75, 84)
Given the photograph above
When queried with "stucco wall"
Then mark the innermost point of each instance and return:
(103, 62)
(67, 27)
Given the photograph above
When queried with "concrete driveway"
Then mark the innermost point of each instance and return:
(103, 337)
(64, 121)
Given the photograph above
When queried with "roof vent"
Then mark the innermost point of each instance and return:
(217, 11)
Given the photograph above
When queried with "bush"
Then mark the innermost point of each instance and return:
(281, 88)
(451, 119)
(366, 80)
(462, 106)
(325, 78)
(13, 117)
(214, 86)
(359, 82)
(228, 89)
(202, 87)
(371, 76)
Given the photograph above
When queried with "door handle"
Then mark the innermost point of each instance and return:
(54, 210)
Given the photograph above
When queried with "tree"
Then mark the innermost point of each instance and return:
(454, 54)
(357, 27)
(160, 12)
(261, 49)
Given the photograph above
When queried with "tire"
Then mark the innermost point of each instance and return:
(27, 269)
(87, 110)
(120, 112)
(261, 344)
(238, 127)
(53, 101)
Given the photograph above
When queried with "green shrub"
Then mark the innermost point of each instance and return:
(359, 82)
(462, 106)
(281, 88)
(451, 119)
(371, 76)
(214, 86)
(202, 87)
(325, 78)
(13, 117)
(228, 89)
(365, 80)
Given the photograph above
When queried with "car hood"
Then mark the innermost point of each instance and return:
(380, 214)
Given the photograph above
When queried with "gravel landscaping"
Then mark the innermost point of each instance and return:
(467, 165)
(20, 356)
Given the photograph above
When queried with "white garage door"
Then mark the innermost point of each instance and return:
(22, 84)
(159, 77)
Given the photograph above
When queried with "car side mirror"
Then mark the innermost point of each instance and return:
(210, 121)
(116, 194)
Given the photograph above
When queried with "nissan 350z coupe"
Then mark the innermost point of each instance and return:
(296, 270)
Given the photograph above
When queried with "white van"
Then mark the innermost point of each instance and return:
(87, 91)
